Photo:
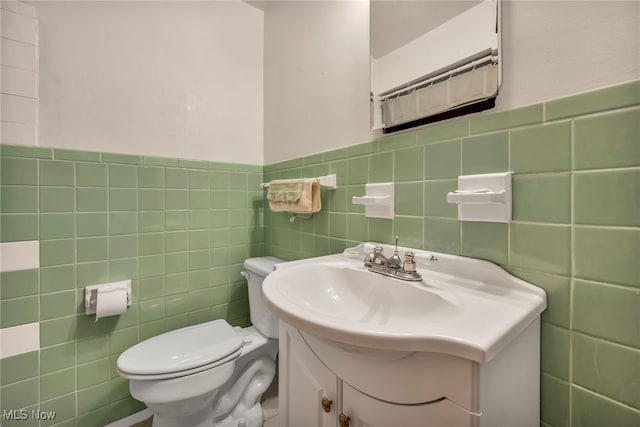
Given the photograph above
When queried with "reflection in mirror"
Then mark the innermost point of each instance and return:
(432, 60)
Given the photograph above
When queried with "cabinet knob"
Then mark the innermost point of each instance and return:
(344, 420)
(326, 404)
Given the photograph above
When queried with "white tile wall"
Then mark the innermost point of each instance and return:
(26, 9)
(12, 5)
(22, 338)
(18, 134)
(19, 73)
(19, 339)
(19, 27)
(19, 255)
(19, 82)
(19, 55)
(19, 109)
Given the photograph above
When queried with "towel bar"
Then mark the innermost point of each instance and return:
(328, 181)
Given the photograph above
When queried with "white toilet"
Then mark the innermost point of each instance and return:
(209, 374)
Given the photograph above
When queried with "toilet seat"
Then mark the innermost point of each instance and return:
(181, 352)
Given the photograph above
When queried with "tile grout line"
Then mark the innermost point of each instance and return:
(571, 267)
(509, 223)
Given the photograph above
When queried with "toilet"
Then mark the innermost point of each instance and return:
(210, 374)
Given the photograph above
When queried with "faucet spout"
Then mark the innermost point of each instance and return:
(376, 262)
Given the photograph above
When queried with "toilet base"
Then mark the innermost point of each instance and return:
(238, 405)
(237, 402)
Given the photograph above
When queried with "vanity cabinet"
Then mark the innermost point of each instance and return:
(312, 395)
(364, 411)
(328, 384)
(304, 382)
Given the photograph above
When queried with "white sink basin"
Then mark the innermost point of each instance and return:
(463, 306)
(347, 292)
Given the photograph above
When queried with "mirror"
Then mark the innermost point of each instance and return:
(432, 60)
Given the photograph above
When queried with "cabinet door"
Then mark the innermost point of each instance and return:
(365, 411)
(304, 383)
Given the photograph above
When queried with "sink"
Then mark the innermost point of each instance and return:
(463, 306)
(348, 292)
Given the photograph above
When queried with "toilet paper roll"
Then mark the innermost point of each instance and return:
(111, 302)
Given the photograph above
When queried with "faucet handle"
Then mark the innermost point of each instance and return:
(373, 257)
(409, 263)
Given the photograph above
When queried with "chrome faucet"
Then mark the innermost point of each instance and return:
(393, 267)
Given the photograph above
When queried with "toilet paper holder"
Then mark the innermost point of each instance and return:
(91, 294)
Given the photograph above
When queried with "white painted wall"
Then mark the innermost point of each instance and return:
(316, 69)
(177, 79)
(557, 48)
(316, 77)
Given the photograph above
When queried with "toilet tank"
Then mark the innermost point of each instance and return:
(256, 270)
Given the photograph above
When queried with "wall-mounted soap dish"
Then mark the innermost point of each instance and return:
(485, 197)
(379, 200)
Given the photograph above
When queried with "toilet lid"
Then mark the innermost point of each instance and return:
(181, 350)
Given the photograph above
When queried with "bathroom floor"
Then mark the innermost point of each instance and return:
(269, 408)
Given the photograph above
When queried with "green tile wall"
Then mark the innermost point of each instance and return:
(575, 229)
(180, 229)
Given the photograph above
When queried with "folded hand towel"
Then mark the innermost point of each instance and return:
(285, 190)
(298, 196)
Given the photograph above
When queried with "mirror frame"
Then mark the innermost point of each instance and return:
(403, 112)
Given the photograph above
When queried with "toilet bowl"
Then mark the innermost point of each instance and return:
(210, 374)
